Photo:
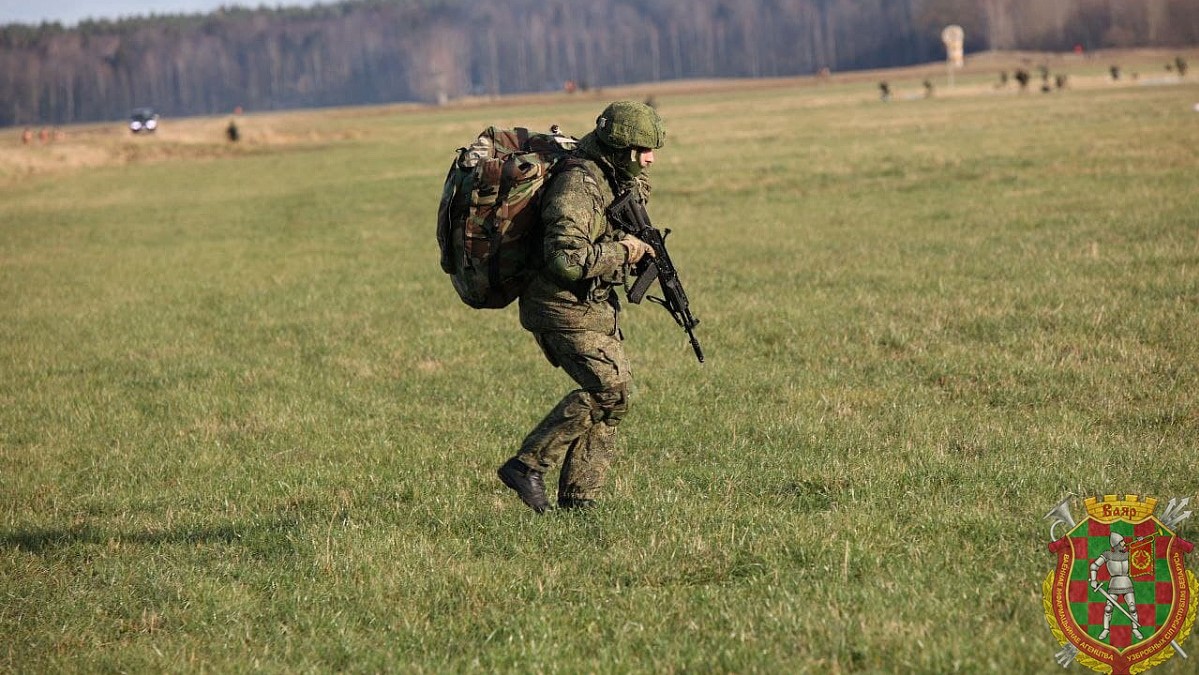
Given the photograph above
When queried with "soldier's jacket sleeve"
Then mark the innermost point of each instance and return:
(578, 243)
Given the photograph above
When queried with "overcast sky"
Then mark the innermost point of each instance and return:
(70, 12)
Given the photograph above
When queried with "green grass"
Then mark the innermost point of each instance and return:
(245, 423)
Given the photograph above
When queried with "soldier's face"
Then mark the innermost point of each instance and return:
(638, 161)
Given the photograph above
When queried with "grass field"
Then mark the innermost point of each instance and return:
(245, 423)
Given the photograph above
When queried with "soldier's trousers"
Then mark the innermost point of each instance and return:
(580, 432)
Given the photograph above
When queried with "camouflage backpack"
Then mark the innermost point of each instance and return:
(489, 221)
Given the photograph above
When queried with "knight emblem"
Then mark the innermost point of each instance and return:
(1120, 598)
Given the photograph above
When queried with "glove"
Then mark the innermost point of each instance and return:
(1094, 585)
(637, 249)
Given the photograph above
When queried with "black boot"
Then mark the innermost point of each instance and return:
(526, 482)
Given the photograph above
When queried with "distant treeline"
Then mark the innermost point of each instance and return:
(373, 51)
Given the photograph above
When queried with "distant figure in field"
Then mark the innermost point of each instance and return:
(231, 132)
(1002, 80)
(1115, 71)
(1060, 81)
(928, 89)
(1022, 77)
(1044, 73)
(27, 136)
(1180, 65)
(43, 135)
(884, 91)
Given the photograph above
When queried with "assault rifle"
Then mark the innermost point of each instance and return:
(628, 213)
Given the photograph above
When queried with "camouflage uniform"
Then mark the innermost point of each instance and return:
(571, 307)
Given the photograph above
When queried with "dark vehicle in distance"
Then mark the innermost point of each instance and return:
(143, 120)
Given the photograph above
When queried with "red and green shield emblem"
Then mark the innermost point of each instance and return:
(1113, 631)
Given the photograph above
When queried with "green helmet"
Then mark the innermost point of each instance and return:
(629, 124)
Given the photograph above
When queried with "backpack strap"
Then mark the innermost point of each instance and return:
(444, 226)
(501, 198)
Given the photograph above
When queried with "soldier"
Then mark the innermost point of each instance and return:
(1022, 77)
(571, 308)
(1116, 561)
